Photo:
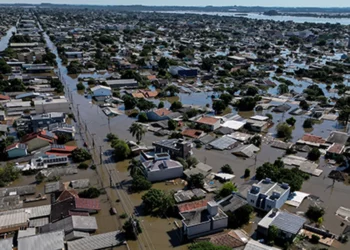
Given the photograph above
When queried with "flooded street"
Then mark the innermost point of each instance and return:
(5, 39)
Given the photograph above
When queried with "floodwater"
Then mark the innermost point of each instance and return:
(5, 39)
(296, 19)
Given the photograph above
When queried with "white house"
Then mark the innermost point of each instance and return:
(100, 90)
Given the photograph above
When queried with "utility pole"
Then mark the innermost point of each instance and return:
(101, 155)
(110, 178)
(93, 139)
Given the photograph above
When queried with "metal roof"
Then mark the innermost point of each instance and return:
(39, 222)
(99, 241)
(54, 240)
(13, 220)
(78, 223)
(288, 222)
(27, 232)
(223, 143)
(255, 245)
(6, 244)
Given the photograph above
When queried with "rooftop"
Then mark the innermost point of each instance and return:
(159, 165)
(208, 120)
(78, 223)
(53, 240)
(200, 215)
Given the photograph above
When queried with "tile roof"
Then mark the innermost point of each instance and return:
(89, 204)
(15, 146)
(313, 138)
(336, 148)
(66, 194)
(193, 133)
(229, 239)
(4, 97)
(192, 205)
(208, 120)
(162, 112)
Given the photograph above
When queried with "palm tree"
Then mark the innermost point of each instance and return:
(137, 131)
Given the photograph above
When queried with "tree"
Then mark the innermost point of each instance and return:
(227, 169)
(134, 167)
(206, 245)
(121, 150)
(226, 98)
(304, 105)
(129, 102)
(247, 103)
(90, 193)
(160, 105)
(219, 106)
(172, 124)
(63, 138)
(132, 228)
(80, 86)
(137, 130)
(283, 89)
(272, 234)
(80, 155)
(227, 189)
(314, 213)
(192, 161)
(163, 63)
(196, 181)
(308, 123)
(145, 105)
(143, 117)
(83, 166)
(240, 217)
(291, 121)
(246, 173)
(252, 91)
(4, 67)
(172, 89)
(207, 64)
(140, 183)
(256, 140)
(175, 106)
(269, 116)
(157, 201)
(8, 174)
(284, 131)
(314, 154)
(111, 137)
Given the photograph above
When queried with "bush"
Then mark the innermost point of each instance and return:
(80, 86)
(90, 193)
(143, 117)
(111, 137)
(227, 189)
(246, 173)
(227, 169)
(314, 239)
(80, 155)
(140, 183)
(284, 130)
(314, 213)
(291, 121)
(83, 166)
(314, 154)
(308, 123)
(121, 150)
(124, 216)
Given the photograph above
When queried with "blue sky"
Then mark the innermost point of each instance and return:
(301, 3)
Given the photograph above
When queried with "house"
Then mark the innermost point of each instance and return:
(231, 203)
(16, 150)
(256, 245)
(334, 150)
(100, 90)
(223, 143)
(12, 222)
(257, 123)
(58, 105)
(174, 147)
(62, 129)
(161, 114)
(241, 137)
(183, 71)
(36, 141)
(53, 240)
(2, 115)
(204, 220)
(311, 140)
(193, 133)
(4, 98)
(267, 195)
(338, 137)
(211, 122)
(44, 120)
(61, 150)
(161, 168)
(15, 107)
(122, 83)
(245, 151)
(234, 239)
(44, 162)
(234, 125)
(288, 224)
(74, 54)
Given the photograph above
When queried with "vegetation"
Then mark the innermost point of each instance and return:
(227, 189)
(314, 154)
(140, 183)
(172, 124)
(142, 117)
(246, 173)
(8, 174)
(227, 169)
(175, 106)
(80, 86)
(304, 105)
(80, 155)
(121, 149)
(308, 123)
(247, 103)
(157, 202)
(62, 138)
(132, 229)
(276, 172)
(83, 166)
(111, 137)
(129, 102)
(256, 140)
(196, 181)
(137, 130)
(283, 89)
(315, 239)
(219, 106)
(206, 245)
(314, 213)
(240, 217)
(284, 131)
(144, 105)
(90, 193)
(291, 121)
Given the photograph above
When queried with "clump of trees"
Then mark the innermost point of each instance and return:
(284, 131)
(196, 181)
(308, 123)
(247, 103)
(80, 155)
(277, 172)
(8, 174)
(314, 213)
(227, 189)
(132, 228)
(314, 154)
(158, 202)
(90, 193)
(139, 181)
(227, 169)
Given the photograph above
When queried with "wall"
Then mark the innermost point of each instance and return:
(193, 231)
(220, 224)
(282, 199)
(52, 107)
(17, 153)
(165, 174)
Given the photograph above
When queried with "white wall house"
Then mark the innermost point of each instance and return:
(101, 91)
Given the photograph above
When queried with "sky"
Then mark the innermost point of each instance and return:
(294, 3)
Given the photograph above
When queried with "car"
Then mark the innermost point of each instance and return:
(113, 211)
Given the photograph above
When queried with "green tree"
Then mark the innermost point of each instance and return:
(157, 201)
(80, 86)
(315, 212)
(272, 234)
(314, 154)
(247, 103)
(304, 105)
(142, 117)
(132, 228)
(227, 189)
(308, 123)
(207, 64)
(219, 106)
(256, 140)
(137, 130)
(129, 102)
(145, 105)
(163, 63)
(226, 98)
(8, 174)
(172, 89)
(83, 166)
(240, 217)
(196, 181)
(121, 150)
(284, 130)
(161, 105)
(227, 169)
(252, 91)
(175, 106)
(192, 161)
(246, 173)
(206, 245)
(140, 183)
(90, 193)
(111, 137)
(172, 124)
(291, 121)
(63, 138)
(134, 167)
(80, 155)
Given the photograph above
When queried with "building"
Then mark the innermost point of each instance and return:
(100, 90)
(234, 239)
(52, 105)
(288, 224)
(183, 71)
(44, 162)
(256, 245)
(44, 120)
(62, 128)
(257, 123)
(174, 147)
(35, 141)
(204, 220)
(2, 115)
(211, 122)
(13, 222)
(99, 241)
(122, 83)
(161, 114)
(161, 168)
(15, 107)
(74, 54)
(16, 150)
(52, 240)
(267, 195)
(231, 203)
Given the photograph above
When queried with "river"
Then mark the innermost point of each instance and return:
(296, 19)
(5, 39)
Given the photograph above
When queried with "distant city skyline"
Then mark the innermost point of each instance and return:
(269, 3)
